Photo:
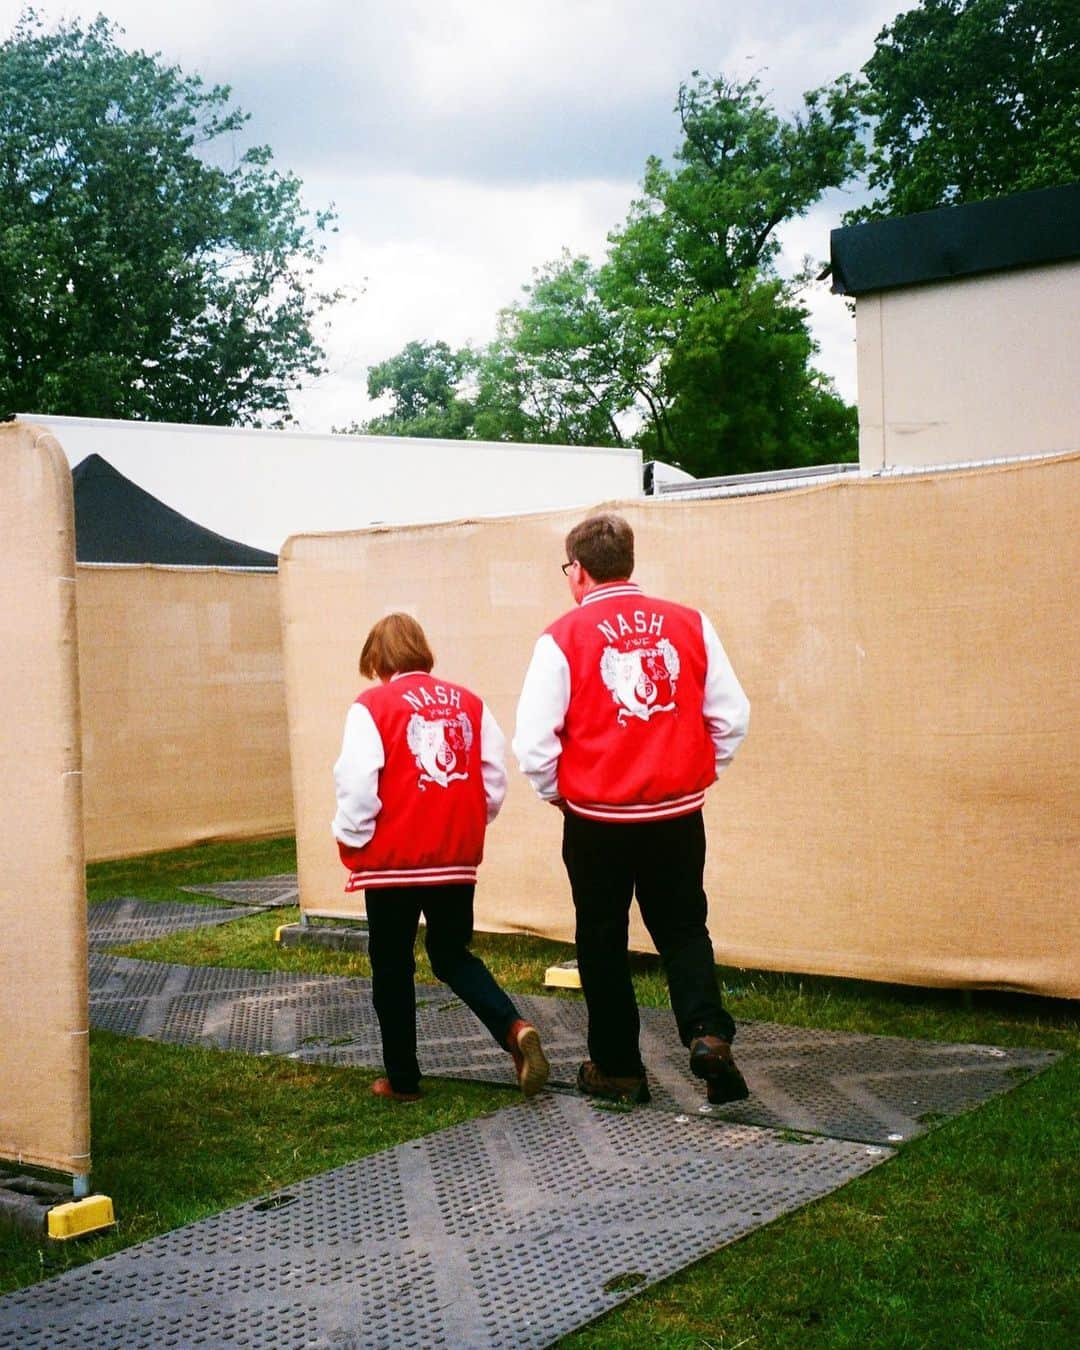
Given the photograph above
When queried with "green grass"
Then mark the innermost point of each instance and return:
(969, 1237)
(179, 1133)
(159, 876)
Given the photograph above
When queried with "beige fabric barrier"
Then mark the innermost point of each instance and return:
(44, 1017)
(905, 807)
(184, 729)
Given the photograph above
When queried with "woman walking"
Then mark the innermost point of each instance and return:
(419, 779)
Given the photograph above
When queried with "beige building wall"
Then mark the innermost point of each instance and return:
(184, 728)
(978, 368)
(44, 1012)
(907, 803)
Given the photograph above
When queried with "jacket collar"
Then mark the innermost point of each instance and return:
(608, 590)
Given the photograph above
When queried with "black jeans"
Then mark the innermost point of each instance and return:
(393, 917)
(663, 860)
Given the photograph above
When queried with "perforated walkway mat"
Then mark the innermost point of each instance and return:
(283, 889)
(877, 1089)
(127, 919)
(503, 1232)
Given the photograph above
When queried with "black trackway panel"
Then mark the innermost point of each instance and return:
(126, 919)
(875, 1089)
(283, 889)
(508, 1231)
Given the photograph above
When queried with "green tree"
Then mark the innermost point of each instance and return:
(554, 375)
(137, 279)
(685, 338)
(714, 346)
(740, 173)
(739, 393)
(973, 99)
(424, 381)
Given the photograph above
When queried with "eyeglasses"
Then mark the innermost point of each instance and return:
(567, 566)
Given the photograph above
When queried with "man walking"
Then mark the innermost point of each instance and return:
(629, 710)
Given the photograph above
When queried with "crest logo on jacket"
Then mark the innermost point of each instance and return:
(441, 747)
(641, 681)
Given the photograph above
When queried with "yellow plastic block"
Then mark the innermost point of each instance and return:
(77, 1217)
(563, 976)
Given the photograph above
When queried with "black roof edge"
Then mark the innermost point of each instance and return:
(1021, 230)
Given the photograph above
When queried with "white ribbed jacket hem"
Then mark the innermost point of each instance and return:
(412, 876)
(674, 806)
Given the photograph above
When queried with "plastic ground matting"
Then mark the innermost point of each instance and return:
(508, 1231)
(877, 1089)
(128, 919)
(283, 889)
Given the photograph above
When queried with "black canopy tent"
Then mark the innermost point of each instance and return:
(116, 521)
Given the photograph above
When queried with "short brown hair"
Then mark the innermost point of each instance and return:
(604, 546)
(396, 644)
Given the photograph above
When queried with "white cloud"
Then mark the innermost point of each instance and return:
(447, 258)
(831, 321)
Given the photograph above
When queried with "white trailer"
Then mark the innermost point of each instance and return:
(262, 486)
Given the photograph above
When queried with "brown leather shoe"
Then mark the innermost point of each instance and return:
(711, 1059)
(530, 1063)
(592, 1080)
(382, 1088)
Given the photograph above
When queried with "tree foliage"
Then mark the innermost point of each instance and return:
(137, 278)
(558, 359)
(973, 99)
(741, 171)
(423, 381)
(719, 347)
(739, 394)
(684, 339)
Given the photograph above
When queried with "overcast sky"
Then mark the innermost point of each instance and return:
(466, 142)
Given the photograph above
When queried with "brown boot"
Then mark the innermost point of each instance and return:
(530, 1063)
(382, 1088)
(711, 1059)
(594, 1082)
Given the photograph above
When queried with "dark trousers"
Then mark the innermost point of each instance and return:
(393, 917)
(663, 860)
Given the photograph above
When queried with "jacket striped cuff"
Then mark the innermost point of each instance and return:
(414, 876)
(674, 806)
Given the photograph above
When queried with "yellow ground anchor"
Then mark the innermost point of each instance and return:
(76, 1218)
(563, 976)
(278, 931)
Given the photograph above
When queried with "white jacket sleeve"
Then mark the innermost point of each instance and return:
(356, 779)
(541, 713)
(726, 708)
(492, 763)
